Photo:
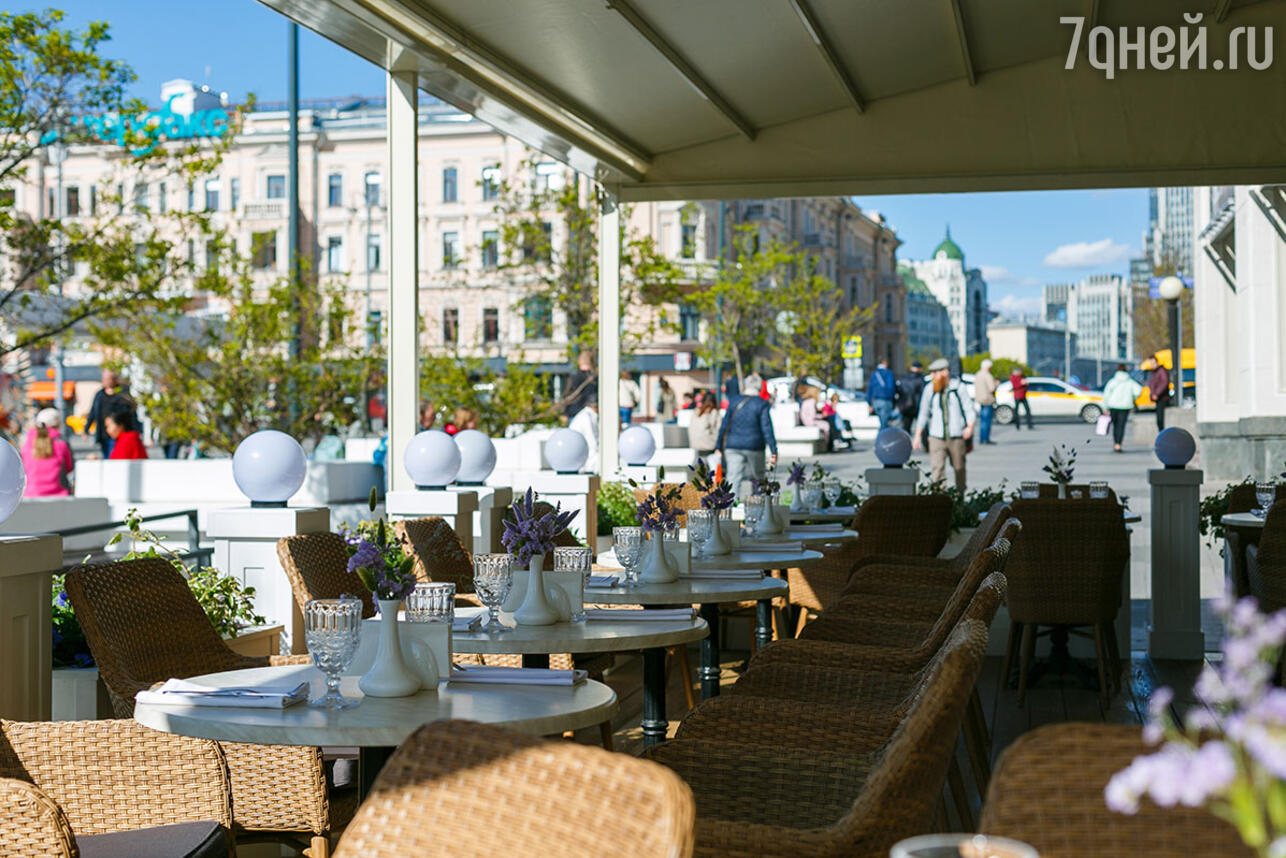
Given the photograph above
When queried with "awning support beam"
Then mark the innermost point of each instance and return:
(827, 50)
(404, 252)
(609, 330)
(965, 56)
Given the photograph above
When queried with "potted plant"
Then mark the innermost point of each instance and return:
(1061, 465)
(716, 494)
(529, 538)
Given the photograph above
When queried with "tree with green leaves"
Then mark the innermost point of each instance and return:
(1000, 367)
(516, 396)
(812, 329)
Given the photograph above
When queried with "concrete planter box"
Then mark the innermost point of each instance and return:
(256, 641)
(79, 695)
(43, 515)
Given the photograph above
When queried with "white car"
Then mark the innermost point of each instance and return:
(1050, 397)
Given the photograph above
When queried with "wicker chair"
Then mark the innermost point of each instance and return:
(458, 785)
(753, 801)
(110, 788)
(317, 566)
(1239, 539)
(1266, 562)
(1048, 792)
(144, 626)
(1066, 570)
(439, 554)
(916, 526)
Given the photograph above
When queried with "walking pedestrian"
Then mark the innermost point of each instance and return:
(910, 389)
(1118, 397)
(582, 384)
(1159, 390)
(984, 394)
(1019, 385)
(880, 392)
(46, 458)
(110, 397)
(628, 396)
(666, 403)
(948, 418)
(127, 442)
(703, 431)
(744, 434)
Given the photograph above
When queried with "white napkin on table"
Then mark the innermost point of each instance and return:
(608, 558)
(739, 574)
(754, 546)
(181, 692)
(462, 625)
(602, 581)
(829, 527)
(618, 614)
(490, 675)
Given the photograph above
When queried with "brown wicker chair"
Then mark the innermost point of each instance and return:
(110, 788)
(1266, 562)
(752, 800)
(1065, 570)
(1048, 792)
(439, 554)
(144, 626)
(502, 793)
(689, 498)
(1239, 539)
(317, 566)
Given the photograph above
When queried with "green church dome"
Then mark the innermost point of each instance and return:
(949, 247)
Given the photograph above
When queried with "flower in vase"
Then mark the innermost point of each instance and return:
(526, 534)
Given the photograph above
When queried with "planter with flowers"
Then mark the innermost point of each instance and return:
(717, 495)
(773, 522)
(529, 537)
(1061, 465)
(659, 518)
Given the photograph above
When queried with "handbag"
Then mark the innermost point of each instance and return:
(1104, 424)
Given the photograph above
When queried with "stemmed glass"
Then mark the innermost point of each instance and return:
(332, 629)
(431, 602)
(627, 543)
(493, 578)
(1265, 493)
(832, 489)
(577, 558)
(755, 508)
(701, 524)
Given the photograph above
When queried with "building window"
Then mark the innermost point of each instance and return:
(450, 185)
(335, 254)
(140, 196)
(211, 255)
(93, 199)
(372, 188)
(450, 325)
(888, 308)
(537, 318)
(490, 248)
(688, 241)
(372, 253)
(689, 322)
(73, 201)
(334, 190)
(539, 247)
(450, 249)
(162, 203)
(549, 176)
(276, 187)
(234, 193)
(491, 182)
(263, 249)
(490, 325)
(212, 195)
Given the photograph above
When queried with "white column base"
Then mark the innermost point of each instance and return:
(1174, 629)
(245, 547)
(27, 564)
(892, 481)
(573, 491)
(457, 507)
(488, 519)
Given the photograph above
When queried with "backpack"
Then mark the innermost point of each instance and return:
(907, 400)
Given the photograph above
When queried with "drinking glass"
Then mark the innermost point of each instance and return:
(701, 525)
(1028, 491)
(832, 489)
(627, 542)
(1098, 490)
(431, 602)
(332, 629)
(755, 505)
(493, 578)
(1264, 494)
(811, 494)
(578, 558)
(961, 846)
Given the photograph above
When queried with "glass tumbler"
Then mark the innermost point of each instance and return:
(811, 494)
(701, 525)
(1028, 491)
(832, 489)
(332, 629)
(432, 602)
(1264, 495)
(627, 543)
(756, 505)
(1098, 490)
(579, 558)
(493, 578)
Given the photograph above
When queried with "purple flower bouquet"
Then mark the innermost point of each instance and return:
(527, 534)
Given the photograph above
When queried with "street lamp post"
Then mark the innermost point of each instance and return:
(1171, 289)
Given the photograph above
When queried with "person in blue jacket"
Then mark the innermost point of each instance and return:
(881, 391)
(744, 434)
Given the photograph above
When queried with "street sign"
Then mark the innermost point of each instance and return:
(682, 361)
(852, 347)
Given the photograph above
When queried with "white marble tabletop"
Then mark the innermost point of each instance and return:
(1242, 519)
(583, 637)
(690, 591)
(807, 537)
(836, 513)
(747, 558)
(380, 722)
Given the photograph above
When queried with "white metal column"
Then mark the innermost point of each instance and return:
(609, 331)
(403, 269)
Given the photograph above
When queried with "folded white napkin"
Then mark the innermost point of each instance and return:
(755, 546)
(608, 558)
(742, 574)
(515, 675)
(829, 527)
(181, 692)
(830, 510)
(466, 624)
(603, 580)
(618, 614)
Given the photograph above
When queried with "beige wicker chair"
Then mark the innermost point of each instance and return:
(110, 788)
(144, 626)
(317, 566)
(459, 786)
(439, 554)
(1048, 792)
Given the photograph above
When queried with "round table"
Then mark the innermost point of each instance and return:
(1243, 519)
(378, 724)
(835, 513)
(748, 558)
(709, 593)
(653, 637)
(807, 537)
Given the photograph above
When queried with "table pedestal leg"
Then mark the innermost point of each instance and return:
(369, 763)
(654, 720)
(710, 670)
(763, 622)
(535, 659)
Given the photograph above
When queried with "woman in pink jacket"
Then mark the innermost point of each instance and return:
(46, 458)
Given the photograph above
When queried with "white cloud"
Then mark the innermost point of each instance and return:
(1088, 254)
(1015, 307)
(1001, 274)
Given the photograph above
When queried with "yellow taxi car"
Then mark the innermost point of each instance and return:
(1050, 397)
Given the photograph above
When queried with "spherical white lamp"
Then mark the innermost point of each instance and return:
(636, 445)
(1170, 288)
(566, 451)
(1175, 447)
(477, 457)
(13, 481)
(432, 460)
(269, 467)
(892, 446)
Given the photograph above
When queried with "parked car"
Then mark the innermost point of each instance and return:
(1050, 397)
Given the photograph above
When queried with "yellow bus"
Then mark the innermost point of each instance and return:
(1166, 359)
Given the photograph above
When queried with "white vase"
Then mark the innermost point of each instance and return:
(389, 676)
(770, 524)
(796, 500)
(717, 545)
(1062, 491)
(656, 567)
(535, 609)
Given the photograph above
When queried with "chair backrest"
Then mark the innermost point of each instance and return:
(689, 498)
(915, 525)
(1268, 583)
(504, 793)
(986, 566)
(1047, 791)
(986, 531)
(1066, 566)
(143, 625)
(439, 553)
(566, 539)
(317, 566)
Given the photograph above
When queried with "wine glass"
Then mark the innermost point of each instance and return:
(627, 543)
(1265, 493)
(332, 629)
(811, 495)
(493, 578)
(576, 558)
(832, 489)
(701, 524)
(755, 508)
(1098, 490)
(961, 846)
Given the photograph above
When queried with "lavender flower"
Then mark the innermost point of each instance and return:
(367, 556)
(660, 510)
(796, 476)
(385, 580)
(715, 494)
(527, 534)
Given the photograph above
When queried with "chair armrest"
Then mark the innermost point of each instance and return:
(278, 787)
(294, 658)
(826, 685)
(31, 823)
(865, 629)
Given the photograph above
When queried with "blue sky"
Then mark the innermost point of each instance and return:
(1020, 240)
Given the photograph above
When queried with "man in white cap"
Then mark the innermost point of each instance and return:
(948, 417)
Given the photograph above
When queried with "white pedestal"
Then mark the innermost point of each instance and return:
(1174, 630)
(573, 491)
(488, 519)
(456, 507)
(245, 547)
(26, 565)
(644, 475)
(892, 481)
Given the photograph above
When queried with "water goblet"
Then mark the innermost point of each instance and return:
(431, 602)
(332, 629)
(493, 578)
(1265, 493)
(701, 524)
(577, 558)
(627, 543)
(833, 489)
(1029, 490)
(1098, 489)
